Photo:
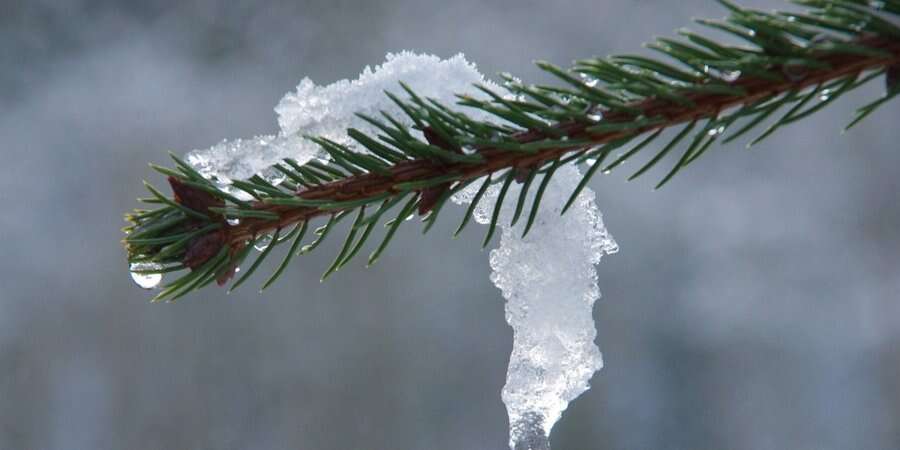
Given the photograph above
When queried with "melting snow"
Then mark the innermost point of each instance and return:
(547, 278)
(328, 111)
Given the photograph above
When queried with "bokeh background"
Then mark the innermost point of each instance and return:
(754, 304)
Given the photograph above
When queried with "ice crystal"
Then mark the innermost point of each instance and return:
(550, 286)
(328, 111)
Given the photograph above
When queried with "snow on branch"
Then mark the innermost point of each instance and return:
(547, 278)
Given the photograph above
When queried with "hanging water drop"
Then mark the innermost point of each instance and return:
(595, 117)
(825, 95)
(731, 75)
(262, 242)
(233, 221)
(143, 276)
(716, 131)
(410, 217)
(588, 80)
(728, 76)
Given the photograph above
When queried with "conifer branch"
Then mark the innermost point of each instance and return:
(797, 62)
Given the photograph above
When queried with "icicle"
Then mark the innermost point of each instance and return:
(550, 285)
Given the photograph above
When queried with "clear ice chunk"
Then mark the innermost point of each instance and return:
(550, 286)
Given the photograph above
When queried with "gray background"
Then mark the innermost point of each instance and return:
(753, 304)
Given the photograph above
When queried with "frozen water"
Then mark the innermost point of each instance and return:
(242, 158)
(547, 278)
(263, 242)
(716, 131)
(328, 111)
(550, 286)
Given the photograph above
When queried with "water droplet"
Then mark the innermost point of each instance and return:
(588, 80)
(731, 75)
(410, 217)
(145, 280)
(716, 131)
(596, 117)
(825, 95)
(727, 76)
(591, 82)
(590, 161)
(607, 172)
(233, 221)
(262, 242)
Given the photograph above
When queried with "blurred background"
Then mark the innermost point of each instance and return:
(754, 304)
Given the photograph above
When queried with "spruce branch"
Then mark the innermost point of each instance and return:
(799, 62)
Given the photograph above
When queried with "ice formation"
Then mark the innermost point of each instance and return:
(328, 111)
(547, 278)
(550, 286)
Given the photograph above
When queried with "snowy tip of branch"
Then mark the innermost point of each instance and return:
(328, 111)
